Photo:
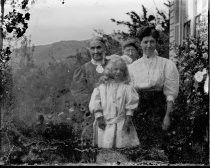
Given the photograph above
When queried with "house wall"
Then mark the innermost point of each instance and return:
(184, 16)
(172, 20)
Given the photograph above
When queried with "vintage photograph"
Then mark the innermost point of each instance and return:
(104, 82)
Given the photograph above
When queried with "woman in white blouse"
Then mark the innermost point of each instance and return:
(157, 82)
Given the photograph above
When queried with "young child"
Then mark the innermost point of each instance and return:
(113, 103)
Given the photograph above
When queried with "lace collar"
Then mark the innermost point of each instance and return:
(99, 67)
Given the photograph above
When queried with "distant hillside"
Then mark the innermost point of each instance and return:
(58, 51)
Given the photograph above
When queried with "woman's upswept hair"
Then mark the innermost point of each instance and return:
(99, 39)
(148, 31)
(108, 75)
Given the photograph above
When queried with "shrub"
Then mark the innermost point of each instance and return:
(189, 135)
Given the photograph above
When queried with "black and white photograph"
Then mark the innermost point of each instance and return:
(104, 83)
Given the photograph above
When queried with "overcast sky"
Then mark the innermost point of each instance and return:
(51, 21)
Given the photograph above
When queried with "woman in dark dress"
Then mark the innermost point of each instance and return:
(86, 76)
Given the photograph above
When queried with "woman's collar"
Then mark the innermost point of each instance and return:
(97, 62)
(149, 57)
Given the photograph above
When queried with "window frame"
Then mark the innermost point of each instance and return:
(187, 32)
(197, 22)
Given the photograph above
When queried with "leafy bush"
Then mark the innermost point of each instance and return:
(42, 143)
(189, 135)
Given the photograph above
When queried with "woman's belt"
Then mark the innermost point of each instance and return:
(150, 94)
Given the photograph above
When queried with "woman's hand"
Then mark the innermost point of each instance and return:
(101, 122)
(127, 124)
(166, 122)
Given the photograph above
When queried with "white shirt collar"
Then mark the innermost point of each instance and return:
(152, 57)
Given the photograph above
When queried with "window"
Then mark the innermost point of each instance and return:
(187, 29)
(197, 22)
(176, 11)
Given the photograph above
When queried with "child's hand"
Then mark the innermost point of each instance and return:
(127, 124)
(101, 122)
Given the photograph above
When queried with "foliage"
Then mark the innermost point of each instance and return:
(48, 143)
(83, 56)
(42, 143)
(190, 119)
(14, 25)
(112, 45)
(161, 22)
(136, 23)
(26, 52)
(43, 90)
(6, 95)
(15, 22)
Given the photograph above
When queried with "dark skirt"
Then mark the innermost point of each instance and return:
(148, 119)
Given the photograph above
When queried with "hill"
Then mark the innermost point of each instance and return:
(56, 51)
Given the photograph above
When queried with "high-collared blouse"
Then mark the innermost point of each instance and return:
(155, 73)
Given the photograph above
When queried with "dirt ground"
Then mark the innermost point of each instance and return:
(143, 163)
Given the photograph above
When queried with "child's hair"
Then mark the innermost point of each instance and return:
(108, 71)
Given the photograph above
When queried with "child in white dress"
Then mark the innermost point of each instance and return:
(113, 103)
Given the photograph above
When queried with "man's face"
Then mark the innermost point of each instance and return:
(131, 52)
(97, 50)
(148, 45)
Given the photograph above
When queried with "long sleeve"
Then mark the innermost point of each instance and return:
(95, 103)
(79, 87)
(132, 100)
(131, 74)
(171, 83)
